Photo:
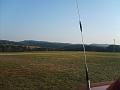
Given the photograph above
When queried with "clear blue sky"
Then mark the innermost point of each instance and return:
(57, 20)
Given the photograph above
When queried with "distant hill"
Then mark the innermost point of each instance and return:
(44, 44)
(31, 45)
(100, 45)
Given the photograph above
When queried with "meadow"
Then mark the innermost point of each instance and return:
(55, 70)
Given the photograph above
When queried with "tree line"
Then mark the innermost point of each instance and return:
(11, 46)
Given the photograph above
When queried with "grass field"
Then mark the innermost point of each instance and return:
(55, 70)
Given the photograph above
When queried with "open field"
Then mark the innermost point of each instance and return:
(55, 70)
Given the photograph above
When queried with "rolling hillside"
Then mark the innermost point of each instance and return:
(31, 45)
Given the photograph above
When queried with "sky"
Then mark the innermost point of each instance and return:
(57, 20)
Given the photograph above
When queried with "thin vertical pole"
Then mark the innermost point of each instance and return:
(84, 51)
(114, 46)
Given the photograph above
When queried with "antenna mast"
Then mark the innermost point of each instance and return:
(114, 45)
(84, 50)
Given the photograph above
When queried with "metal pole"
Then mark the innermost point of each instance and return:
(85, 63)
(84, 51)
(114, 46)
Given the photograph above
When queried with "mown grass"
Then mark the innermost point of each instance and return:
(55, 70)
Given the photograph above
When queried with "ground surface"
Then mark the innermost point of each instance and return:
(55, 70)
(100, 87)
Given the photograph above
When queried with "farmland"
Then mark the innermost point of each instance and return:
(55, 70)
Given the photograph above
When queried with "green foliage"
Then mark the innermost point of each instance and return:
(31, 45)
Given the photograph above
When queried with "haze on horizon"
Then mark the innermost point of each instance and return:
(57, 20)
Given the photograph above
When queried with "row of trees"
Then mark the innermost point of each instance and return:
(21, 48)
(12, 48)
(110, 48)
